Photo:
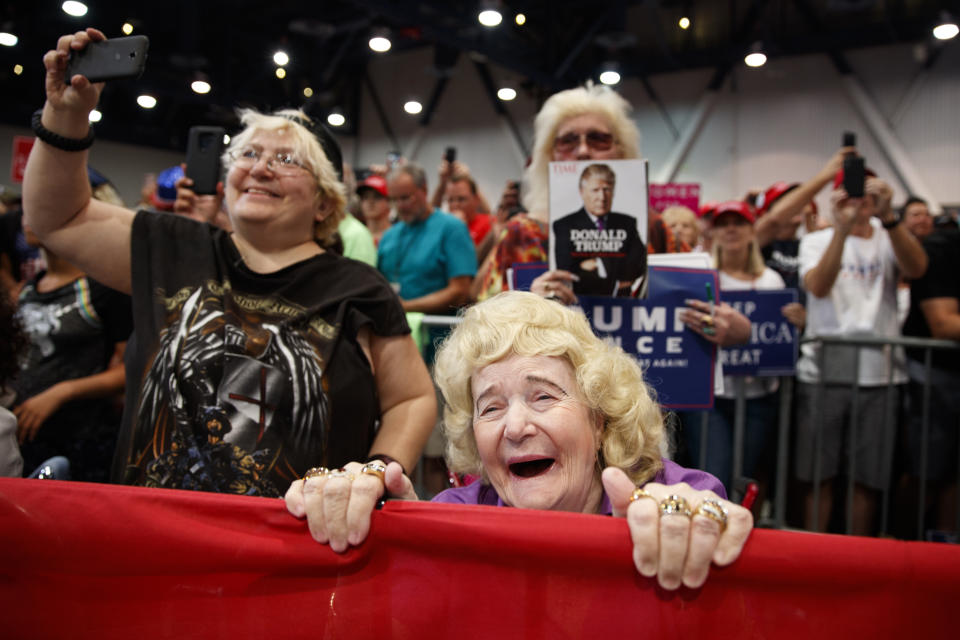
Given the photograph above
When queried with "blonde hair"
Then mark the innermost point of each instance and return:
(306, 146)
(592, 99)
(679, 213)
(755, 263)
(524, 324)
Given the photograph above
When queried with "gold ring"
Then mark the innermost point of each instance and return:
(340, 473)
(375, 468)
(641, 493)
(707, 319)
(315, 472)
(674, 504)
(714, 510)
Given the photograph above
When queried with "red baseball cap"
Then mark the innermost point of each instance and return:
(738, 207)
(772, 194)
(375, 182)
(707, 209)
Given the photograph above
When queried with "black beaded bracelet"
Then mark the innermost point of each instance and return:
(56, 140)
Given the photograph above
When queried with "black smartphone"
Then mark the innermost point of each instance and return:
(204, 148)
(450, 155)
(853, 176)
(849, 139)
(109, 59)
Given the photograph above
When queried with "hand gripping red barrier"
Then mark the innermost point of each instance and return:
(85, 560)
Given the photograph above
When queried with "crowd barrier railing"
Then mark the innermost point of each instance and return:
(83, 560)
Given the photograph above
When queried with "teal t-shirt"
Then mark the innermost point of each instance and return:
(423, 257)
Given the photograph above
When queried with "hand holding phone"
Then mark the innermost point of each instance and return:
(854, 174)
(109, 59)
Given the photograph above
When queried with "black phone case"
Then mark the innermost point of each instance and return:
(110, 59)
(853, 176)
(204, 148)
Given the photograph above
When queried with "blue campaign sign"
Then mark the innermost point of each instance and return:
(524, 273)
(772, 350)
(677, 363)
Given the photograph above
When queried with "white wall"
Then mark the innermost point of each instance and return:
(779, 122)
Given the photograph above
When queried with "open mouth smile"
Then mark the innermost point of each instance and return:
(531, 468)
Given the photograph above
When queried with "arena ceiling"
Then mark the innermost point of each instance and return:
(561, 43)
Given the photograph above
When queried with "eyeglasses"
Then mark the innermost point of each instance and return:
(284, 163)
(596, 140)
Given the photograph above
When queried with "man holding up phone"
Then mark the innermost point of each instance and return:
(850, 272)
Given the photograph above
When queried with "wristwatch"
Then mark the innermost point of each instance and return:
(894, 221)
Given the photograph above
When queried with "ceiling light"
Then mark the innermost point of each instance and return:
(380, 40)
(200, 86)
(756, 57)
(336, 119)
(610, 73)
(127, 28)
(75, 9)
(281, 58)
(95, 116)
(521, 19)
(226, 139)
(17, 69)
(412, 107)
(684, 22)
(281, 73)
(146, 101)
(506, 93)
(307, 92)
(490, 15)
(7, 39)
(947, 28)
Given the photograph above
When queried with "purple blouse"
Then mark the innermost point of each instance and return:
(672, 473)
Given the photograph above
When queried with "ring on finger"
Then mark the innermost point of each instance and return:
(340, 473)
(641, 493)
(713, 509)
(375, 468)
(315, 472)
(707, 319)
(674, 505)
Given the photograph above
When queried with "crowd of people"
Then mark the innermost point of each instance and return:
(265, 339)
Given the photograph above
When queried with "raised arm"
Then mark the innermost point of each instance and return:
(792, 203)
(911, 258)
(57, 202)
(819, 280)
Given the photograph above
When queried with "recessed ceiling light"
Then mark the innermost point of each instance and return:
(200, 86)
(127, 28)
(74, 8)
(281, 58)
(95, 116)
(336, 119)
(684, 22)
(8, 39)
(146, 101)
(412, 107)
(506, 93)
(281, 73)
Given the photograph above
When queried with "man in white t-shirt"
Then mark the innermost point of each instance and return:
(850, 272)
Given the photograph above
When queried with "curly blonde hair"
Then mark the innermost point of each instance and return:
(524, 324)
(594, 99)
(306, 147)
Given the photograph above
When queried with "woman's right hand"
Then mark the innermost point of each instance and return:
(205, 208)
(78, 96)
(338, 506)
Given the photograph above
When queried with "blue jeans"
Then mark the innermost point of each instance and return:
(55, 468)
(761, 420)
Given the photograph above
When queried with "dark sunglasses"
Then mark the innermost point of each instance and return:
(596, 140)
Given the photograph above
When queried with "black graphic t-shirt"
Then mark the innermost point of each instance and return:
(783, 256)
(239, 382)
(73, 331)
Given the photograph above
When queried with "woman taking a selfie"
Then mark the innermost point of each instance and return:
(257, 354)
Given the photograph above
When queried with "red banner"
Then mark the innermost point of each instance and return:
(97, 561)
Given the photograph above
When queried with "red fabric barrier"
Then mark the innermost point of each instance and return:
(82, 560)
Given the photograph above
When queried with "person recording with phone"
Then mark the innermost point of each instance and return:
(257, 353)
(850, 273)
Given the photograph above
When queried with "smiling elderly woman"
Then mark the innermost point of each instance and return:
(257, 353)
(551, 417)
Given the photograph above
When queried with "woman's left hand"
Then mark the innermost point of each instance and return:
(675, 547)
(725, 327)
(556, 284)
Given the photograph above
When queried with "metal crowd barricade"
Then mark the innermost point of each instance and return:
(778, 518)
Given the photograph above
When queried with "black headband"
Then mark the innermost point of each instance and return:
(327, 142)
